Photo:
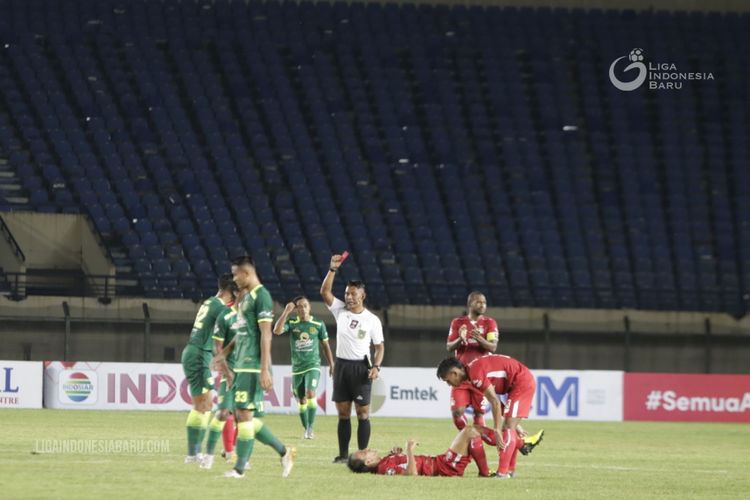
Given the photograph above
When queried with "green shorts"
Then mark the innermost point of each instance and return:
(248, 394)
(226, 396)
(305, 381)
(195, 364)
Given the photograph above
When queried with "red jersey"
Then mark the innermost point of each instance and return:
(449, 464)
(502, 372)
(462, 326)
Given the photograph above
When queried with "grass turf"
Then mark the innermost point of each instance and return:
(575, 460)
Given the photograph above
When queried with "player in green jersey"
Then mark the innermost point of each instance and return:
(306, 334)
(196, 358)
(251, 352)
(224, 331)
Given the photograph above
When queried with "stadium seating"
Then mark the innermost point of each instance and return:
(448, 148)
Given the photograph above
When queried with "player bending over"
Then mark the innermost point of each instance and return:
(496, 374)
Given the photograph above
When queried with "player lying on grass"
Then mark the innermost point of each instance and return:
(466, 446)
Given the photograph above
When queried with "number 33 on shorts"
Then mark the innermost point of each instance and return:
(240, 397)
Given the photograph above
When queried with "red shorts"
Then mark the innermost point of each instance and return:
(466, 395)
(520, 397)
(449, 464)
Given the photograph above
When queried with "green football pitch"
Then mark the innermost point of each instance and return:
(45, 454)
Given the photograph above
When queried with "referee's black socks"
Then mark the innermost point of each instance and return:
(363, 433)
(345, 435)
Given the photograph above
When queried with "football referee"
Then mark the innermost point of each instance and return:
(354, 372)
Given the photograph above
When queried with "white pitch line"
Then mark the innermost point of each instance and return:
(621, 468)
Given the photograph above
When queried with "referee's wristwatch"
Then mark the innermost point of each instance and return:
(376, 366)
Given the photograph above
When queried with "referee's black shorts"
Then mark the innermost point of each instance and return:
(350, 382)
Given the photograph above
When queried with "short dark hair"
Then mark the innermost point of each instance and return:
(298, 298)
(356, 284)
(358, 465)
(473, 294)
(243, 261)
(447, 365)
(226, 282)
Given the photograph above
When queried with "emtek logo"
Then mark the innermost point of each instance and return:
(547, 390)
(415, 394)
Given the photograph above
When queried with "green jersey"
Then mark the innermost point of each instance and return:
(256, 308)
(225, 329)
(205, 320)
(305, 338)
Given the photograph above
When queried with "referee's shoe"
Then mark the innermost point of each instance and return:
(340, 460)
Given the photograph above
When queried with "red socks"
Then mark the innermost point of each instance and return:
(459, 422)
(228, 435)
(506, 456)
(476, 450)
(488, 436)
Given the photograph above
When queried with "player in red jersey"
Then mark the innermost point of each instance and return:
(466, 445)
(471, 336)
(493, 375)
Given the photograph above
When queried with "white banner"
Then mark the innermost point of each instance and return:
(410, 392)
(578, 395)
(145, 386)
(399, 392)
(21, 384)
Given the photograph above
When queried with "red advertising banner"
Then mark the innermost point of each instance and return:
(687, 398)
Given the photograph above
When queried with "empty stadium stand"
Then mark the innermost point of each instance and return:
(448, 148)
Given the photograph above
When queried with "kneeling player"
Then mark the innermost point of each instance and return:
(467, 445)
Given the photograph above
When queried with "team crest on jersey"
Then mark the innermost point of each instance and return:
(361, 334)
(311, 330)
(353, 324)
(477, 383)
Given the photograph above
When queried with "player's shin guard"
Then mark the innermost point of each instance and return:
(205, 419)
(476, 450)
(215, 429)
(345, 435)
(312, 408)
(228, 435)
(363, 433)
(193, 425)
(459, 422)
(488, 435)
(303, 415)
(265, 436)
(519, 445)
(245, 442)
(509, 439)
